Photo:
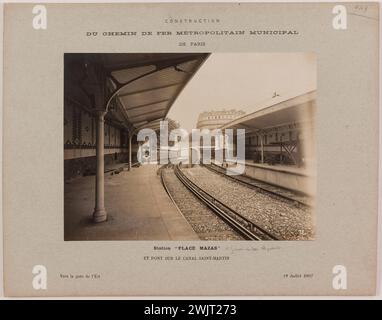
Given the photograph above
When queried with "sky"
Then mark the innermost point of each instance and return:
(243, 81)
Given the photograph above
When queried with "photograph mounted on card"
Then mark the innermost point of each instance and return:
(158, 149)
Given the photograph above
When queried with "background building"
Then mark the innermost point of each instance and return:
(215, 119)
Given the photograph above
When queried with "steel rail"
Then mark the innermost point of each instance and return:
(239, 223)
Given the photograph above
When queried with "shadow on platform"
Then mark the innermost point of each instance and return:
(138, 208)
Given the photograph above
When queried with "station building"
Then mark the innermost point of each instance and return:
(108, 98)
(280, 142)
(215, 119)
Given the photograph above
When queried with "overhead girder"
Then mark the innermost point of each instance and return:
(160, 64)
(150, 89)
(147, 113)
(146, 104)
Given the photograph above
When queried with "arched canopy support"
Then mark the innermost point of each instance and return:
(95, 75)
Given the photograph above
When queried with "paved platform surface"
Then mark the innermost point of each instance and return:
(138, 208)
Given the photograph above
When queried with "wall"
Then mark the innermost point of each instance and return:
(290, 178)
(80, 141)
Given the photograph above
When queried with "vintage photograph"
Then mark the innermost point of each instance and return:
(190, 149)
(190, 146)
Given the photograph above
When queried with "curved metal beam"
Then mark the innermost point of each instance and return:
(157, 68)
(114, 94)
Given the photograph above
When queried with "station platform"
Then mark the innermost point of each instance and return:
(138, 208)
(300, 180)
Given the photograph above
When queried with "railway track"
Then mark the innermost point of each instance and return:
(207, 225)
(243, 226)
(160, 173)
(265, 187)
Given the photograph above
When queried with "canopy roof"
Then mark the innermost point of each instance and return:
(134, 88)
(296, 109)
(148, 84)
